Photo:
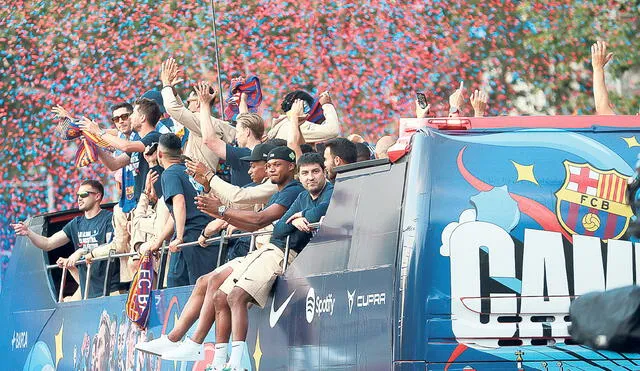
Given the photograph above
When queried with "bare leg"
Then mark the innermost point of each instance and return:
(208, 310)
(223, 317)
(238, 302)
(191, 310)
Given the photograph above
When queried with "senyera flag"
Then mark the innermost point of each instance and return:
(137, 306)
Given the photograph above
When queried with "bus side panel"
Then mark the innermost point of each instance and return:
(517, 224)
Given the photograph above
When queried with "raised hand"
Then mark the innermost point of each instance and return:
(296, 111)
(325, 98)
(599, 55)
(479, 101)
(456, 100)
(422, 112)
(60, 112)
(170, 73)
(204, 94)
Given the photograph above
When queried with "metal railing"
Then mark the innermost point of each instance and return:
(163, 259)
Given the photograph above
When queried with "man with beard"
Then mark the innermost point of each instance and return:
(338, 152)
(87, 232)
(252, 278)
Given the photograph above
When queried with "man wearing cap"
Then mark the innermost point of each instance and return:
(237, 247)
(233, 196)
(281, 170)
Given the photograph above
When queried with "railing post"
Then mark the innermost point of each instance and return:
(163, 266)
(87, 282)
(252, 244)
(107, 277)
(286, 256)
(222, 236)
(63, 281)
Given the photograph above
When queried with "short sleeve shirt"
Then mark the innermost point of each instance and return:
(89, 234)
(239, 168)
(287, 195)
(139, 164)
(175, 181)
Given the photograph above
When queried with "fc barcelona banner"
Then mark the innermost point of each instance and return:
(137, 306)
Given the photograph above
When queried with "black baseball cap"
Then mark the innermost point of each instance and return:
(259, 153)
(282, 153)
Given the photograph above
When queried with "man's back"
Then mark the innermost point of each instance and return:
(176, 181)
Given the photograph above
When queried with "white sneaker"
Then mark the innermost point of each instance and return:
(157, 346)
(228, 367)
(188, 350)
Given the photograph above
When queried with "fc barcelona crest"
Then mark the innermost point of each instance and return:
(592, 202)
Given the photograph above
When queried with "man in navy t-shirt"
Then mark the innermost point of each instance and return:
(87, 232)
(179, 191)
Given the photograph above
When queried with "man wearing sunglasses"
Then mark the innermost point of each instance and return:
(87, 232)
(144, 119)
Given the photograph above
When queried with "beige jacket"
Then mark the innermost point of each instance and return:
(312, 133)
(195, 148)
(245, 198)
(242, 198)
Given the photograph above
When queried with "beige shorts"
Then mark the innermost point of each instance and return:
(256, 272)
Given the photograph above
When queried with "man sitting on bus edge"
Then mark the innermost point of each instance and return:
(253, 276)
(87, 232)
(200, 306)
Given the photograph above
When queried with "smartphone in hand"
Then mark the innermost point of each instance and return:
(422, 100)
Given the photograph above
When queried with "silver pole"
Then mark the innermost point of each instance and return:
(87, 282)
(252, 245)
(286, 256)
(220, 245)
(63, 280)
(215, 39)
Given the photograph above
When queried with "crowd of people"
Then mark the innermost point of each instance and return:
(371, 56)
(166, 158)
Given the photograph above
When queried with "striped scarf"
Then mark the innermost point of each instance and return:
(239, 85)
(87, 153)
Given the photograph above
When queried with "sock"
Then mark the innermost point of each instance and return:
(237, 351)
(220, 355)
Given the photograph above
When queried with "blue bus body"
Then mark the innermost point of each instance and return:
(464, 254)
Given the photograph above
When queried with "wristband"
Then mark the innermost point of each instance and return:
(208, 176)
(203, 235)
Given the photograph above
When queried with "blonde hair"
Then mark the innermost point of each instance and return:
(253, 122)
